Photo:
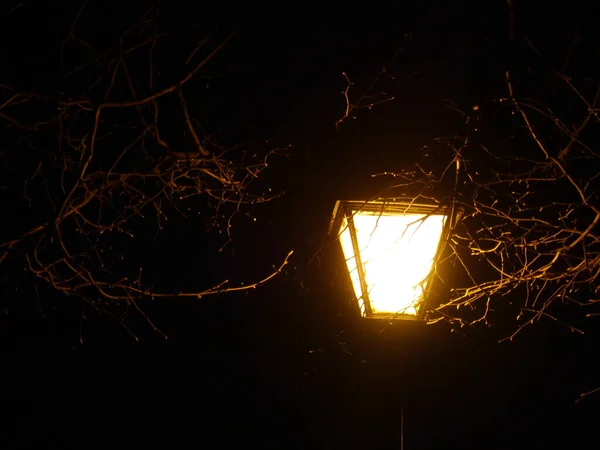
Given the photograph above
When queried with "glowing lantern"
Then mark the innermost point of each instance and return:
(390, 250)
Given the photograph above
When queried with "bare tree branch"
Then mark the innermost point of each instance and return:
(106, 154)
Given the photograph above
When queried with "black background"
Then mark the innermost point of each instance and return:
(284, 366)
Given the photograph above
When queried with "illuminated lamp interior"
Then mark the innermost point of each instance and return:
(397, 251)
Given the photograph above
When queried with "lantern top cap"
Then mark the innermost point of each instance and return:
(344, 208)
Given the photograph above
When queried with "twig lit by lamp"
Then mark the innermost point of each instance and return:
(390, 250)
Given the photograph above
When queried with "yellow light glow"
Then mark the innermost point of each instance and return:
(346, 241)
(397, 252)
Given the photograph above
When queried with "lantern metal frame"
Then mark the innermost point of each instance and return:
(346, 209)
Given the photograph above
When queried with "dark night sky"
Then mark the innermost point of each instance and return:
(284, 366)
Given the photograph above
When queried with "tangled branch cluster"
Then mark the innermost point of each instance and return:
(533, 216)
(114, 144)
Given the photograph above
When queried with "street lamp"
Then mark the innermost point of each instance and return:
(390, 249)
